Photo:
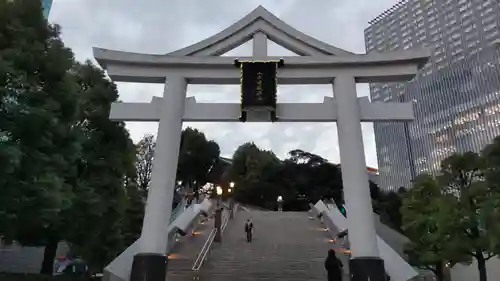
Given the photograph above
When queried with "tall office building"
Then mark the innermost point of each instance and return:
(457, 94)
(47, 4)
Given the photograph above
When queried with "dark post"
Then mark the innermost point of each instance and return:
(218, 223)
(149, 267)
(367, 269)
(231, 208)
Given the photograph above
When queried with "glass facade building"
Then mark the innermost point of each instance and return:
(47, 4)
(456, 95)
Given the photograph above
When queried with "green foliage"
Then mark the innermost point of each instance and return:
(137, 189)
(106, 172)
(38, 108)
(261, 177)
(428, 223)
(388, 204)
(475, 230)
(490, 209)
(68, 172)
(134, 213)
(196, 156)
(36, 277)
(65, 162)
(301, 179)
(453, 217)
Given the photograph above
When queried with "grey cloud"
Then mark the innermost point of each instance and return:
(159, 26)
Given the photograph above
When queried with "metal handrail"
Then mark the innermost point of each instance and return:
(203, 252)
(224, 223)
(202, 256)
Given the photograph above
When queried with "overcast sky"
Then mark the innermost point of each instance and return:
(162, 26)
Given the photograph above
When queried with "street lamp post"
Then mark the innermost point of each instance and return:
(218, 216)
(231, 201)
(280, 203)
(181, 193)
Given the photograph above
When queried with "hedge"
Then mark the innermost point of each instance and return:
(39, 277)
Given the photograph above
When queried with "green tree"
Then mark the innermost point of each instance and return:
(137, 189)
(134, 213)
(302, 178)
(251, 170)
(491, 172)
(300, 156)
(197, 155)
(458, 218)
(476, 233)
(240, 163)
(314, 176)
(375, 192)
(426, 216)
(106, 172)
(388, 205)
(38, 108)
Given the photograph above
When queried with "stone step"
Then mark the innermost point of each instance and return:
(243, 276)
(287, 246)
(185, 253)
(192, 241)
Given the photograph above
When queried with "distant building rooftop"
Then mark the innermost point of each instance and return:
(388, 12)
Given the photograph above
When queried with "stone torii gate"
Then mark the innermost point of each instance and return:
(318, 63)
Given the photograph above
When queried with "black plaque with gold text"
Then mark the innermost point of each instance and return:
(258, 85)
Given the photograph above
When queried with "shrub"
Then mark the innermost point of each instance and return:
(39, 277)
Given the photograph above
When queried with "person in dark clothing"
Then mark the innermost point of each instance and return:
(248, 230)
(333, 267)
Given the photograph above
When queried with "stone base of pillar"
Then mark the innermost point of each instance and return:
(367, 269)
(151, 267)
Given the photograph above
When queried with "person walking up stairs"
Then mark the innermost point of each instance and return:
(249, 230)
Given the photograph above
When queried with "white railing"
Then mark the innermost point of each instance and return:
(204, 250)
(176, 212)
(203, 255)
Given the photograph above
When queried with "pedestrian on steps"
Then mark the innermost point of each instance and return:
(333, 266)
(249, 230)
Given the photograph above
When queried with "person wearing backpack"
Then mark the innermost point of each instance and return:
(333, 267)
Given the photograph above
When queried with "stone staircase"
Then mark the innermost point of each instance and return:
(184, 254)
(287, 246)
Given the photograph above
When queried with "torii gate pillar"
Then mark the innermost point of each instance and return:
(319, 63)
(365, 264)
(151, 262)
